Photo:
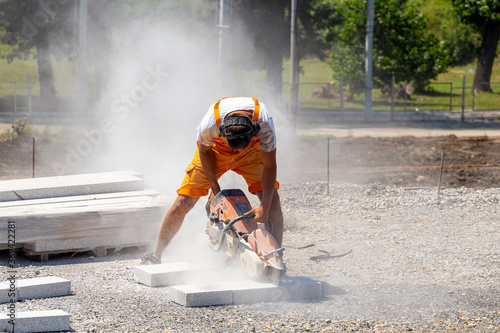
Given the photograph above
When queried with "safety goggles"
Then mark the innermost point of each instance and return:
(240, 135)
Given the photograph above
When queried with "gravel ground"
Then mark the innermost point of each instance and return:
(390, 260)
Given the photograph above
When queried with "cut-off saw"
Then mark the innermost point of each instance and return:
(229, 230)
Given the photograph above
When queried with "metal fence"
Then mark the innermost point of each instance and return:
(442, 96)
(16, 98)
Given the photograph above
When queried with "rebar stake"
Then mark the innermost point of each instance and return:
(33, 157)
(441, 172)
(328, 167)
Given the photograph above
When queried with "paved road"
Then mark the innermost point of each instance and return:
(418, 129)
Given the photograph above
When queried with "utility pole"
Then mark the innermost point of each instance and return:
(369, 59)
(294, 89)
(223, 22)
(75, 22)
(82, 58)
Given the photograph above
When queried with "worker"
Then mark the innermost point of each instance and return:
(237, 133)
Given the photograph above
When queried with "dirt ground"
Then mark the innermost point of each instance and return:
(403, 161)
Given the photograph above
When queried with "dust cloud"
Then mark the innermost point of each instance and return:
(163, 79)
(162, 82)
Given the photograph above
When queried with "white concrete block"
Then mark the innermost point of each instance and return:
(78, 198)
(140, 219)
(201, 295)
(8, 294)
(245, 291)
(42, 287)
(192, 285)
(49, 286)
(249, 291)
(174, 273)
(69, 205)
(87, 243)
(36, 321)
(61, 186)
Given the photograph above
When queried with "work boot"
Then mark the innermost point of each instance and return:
(150, 259)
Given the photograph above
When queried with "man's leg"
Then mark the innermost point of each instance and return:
(173, 221)
(276, 216)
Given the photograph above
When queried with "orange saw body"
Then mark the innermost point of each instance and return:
(241, 239)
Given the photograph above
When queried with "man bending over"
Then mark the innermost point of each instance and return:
(237, 133)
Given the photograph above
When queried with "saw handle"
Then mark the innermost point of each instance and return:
(269, 223)
(241, 217)
(247, 217)
(229, 226)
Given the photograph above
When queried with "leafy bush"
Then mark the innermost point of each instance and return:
(22, 128)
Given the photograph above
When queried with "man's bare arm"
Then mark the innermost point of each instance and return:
(268, 185)
(207, 158)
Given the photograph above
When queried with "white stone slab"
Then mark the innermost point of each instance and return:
(89, 243)
(68, 206)
(245, 291)
(42, 287)
(62, 186)
(201, 295)
(250, 291)
(173, 273)
(73, 207)
(36, 321)
(78, 198)
(139, 218)
(48, 286)
(7, 294)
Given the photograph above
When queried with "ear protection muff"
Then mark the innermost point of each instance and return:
(256, 128)
(253, 126)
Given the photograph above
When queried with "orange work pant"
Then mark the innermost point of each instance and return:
(247, 163)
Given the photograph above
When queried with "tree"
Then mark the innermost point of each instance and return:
(347, 41)
(401, 45)
(258, 38)
(266, 26)
(100, 14)
(461, 39)
(485, 16)
(29, 26)
(315, 17)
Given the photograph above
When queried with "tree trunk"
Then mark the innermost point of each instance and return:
(99, 41)
(491, 36)
(274, 57)
(46, 77)
(45, 74)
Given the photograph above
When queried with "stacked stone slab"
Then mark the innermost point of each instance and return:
(80, 212)
(64, 186)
